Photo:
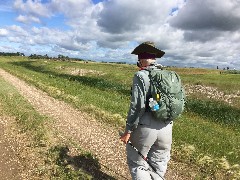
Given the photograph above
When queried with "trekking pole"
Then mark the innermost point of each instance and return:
(144, 158)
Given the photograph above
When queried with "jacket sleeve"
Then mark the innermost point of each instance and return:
(137, 105)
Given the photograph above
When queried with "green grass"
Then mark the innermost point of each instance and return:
(207, 137)
(211, 148)
(216, 111)
(15, 105)
(212, 127)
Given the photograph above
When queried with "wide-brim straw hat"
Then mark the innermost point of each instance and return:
(148, 47)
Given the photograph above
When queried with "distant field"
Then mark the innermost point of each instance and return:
(211, 126)
(226, 82)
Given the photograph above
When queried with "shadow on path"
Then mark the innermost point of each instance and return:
(85, 162)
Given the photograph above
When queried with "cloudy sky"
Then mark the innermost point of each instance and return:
(193, 33)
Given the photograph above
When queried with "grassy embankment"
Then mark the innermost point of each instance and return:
(207, 135)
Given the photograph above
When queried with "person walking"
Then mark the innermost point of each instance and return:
(152, 138)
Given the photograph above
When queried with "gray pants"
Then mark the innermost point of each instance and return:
(153, 139)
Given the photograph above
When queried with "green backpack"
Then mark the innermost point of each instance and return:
(167, 90)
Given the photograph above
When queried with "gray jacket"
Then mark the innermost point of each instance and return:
(140, 90)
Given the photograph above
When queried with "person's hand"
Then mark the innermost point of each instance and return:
(125, 137)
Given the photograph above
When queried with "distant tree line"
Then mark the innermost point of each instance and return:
(59, 57)
(11, 54)
(115, 62)
(37, 56)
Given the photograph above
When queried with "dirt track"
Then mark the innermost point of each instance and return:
(83, 129)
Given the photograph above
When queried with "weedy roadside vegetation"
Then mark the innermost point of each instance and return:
(206, 136)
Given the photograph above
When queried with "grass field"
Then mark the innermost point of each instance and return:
(207, 134)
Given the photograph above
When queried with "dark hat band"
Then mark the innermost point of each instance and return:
(146, 56)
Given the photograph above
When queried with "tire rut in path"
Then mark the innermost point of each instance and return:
(85, 130)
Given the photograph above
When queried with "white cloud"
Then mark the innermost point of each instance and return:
(123, 21)
(70, 8)
(34, 8)
(211, 30)
(27, 19)
(120, 16)
(207, 15)
(47, 37)
(15, 39)
(3, 32)
(17, 30)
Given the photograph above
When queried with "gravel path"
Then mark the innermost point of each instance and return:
(83, 129)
